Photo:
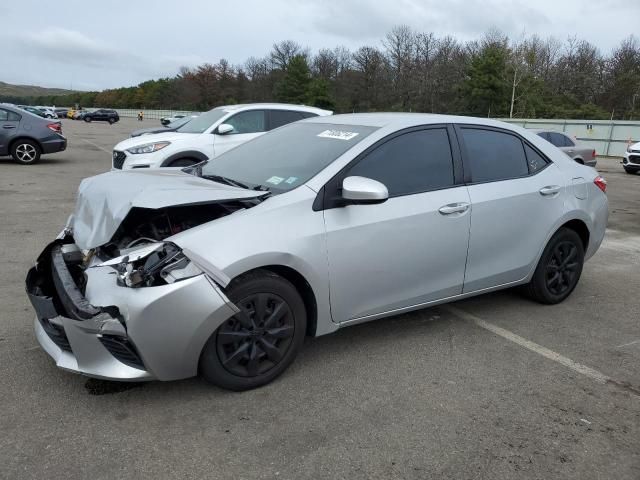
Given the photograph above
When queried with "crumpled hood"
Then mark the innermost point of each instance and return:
(105, 200)
(157, 137)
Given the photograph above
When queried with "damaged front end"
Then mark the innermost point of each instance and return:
(115, 299)
(140, 317)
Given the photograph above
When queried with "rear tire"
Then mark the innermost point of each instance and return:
(111, 121)
(559, 268)
(255, 346)
(26, 152)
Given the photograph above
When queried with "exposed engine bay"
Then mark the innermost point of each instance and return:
(137, 251)
(145, 225)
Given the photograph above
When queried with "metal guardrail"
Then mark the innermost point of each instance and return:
(608, 138)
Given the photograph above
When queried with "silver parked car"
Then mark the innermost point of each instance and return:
(223, 268)
(580, 153)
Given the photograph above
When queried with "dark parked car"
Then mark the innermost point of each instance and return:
(26, 136)
(102, 115)
(62, 112)
(171, 127)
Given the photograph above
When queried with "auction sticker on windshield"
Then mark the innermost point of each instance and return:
(338, 134)
(275, 180)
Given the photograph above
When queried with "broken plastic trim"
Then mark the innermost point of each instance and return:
(152, 265)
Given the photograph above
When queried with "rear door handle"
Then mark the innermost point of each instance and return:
(8, 127)
(549, 190)
(453, 208)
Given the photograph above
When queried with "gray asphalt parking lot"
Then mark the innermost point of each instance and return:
(492, 387)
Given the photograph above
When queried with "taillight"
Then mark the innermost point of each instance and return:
(593, 154)
(56, 127)
(601, 183)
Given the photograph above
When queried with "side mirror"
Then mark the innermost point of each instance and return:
(224, 128)
(362, 191)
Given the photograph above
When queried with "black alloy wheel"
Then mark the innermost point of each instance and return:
(256, 339)
(258, 343)
(562, 268)
(559, 268)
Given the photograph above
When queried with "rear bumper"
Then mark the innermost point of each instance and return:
(54, 144)
(121, 333)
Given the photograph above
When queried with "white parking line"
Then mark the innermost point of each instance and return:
(95, 145)
(534, 347)
(628, 344)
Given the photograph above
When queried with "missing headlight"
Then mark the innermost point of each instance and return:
(153, 265)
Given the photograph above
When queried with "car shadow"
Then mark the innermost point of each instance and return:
(317, 350)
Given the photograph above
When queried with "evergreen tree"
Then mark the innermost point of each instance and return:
(294, 85)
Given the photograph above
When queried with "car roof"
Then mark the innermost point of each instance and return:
(404, 120)
(273, 106)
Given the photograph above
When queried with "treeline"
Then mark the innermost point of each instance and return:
(409, 71)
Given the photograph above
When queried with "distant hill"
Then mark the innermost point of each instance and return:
(9, 90)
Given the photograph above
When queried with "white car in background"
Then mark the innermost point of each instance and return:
(48, 112)
(208, 135)
(631, 159)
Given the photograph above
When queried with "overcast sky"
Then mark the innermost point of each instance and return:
(93, 45)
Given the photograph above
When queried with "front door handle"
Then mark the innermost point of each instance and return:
(549, 190)
(8, 127)
(454, 208)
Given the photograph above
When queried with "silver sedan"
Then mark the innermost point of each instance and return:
(223, 268)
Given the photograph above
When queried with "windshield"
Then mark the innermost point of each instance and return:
(180, 122)
(286, 157)
(204, 121)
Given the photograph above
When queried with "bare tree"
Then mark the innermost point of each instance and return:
(282, 53)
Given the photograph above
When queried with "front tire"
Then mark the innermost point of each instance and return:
(559, 268)
(183, 162)
(87, 119)
(630, 171)
(258, 344)
(26, 152)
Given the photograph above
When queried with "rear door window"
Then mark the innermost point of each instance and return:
(277, 118)
(494, 155)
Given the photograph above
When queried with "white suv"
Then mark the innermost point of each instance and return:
(631, 159)
(208, 135)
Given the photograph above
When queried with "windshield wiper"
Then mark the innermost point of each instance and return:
(261, 188)
(226, 181)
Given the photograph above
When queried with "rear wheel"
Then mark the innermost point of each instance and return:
(183, 162)
(25, 152)
(112, 121)
(559, 268)
(259, 343)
